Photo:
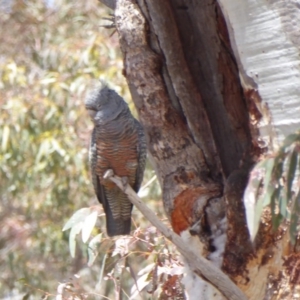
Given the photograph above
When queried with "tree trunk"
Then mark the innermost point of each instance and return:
(204, 125)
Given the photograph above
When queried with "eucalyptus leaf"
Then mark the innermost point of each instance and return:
(278, 169)
(274, 203)
(72, 238)
(92, 248)
(102, 270)
(291, 170)
(290, 139)
(88, 225)
(268, 187)
(268, 194)
(283, 202)
(253, 203)
(269, 169)
(295, 218)
(78, 216)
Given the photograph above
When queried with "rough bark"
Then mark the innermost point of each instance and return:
(202, 127)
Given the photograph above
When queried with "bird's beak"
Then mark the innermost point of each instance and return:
(92, 113)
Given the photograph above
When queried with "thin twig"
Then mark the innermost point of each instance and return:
(199, 264)
(148, 183)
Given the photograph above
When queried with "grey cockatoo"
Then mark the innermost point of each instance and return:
(117, 143)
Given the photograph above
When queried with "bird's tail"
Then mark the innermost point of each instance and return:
(115, 200)
(117, 226)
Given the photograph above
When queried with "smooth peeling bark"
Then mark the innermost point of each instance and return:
(265, 40)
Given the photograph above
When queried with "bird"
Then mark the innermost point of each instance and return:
(117, 142)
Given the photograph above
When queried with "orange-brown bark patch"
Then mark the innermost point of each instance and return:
(184, 204)
(172, 289)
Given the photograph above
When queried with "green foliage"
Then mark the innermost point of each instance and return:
(274, 182)
(83, 220)
(145, 252)
(50, 55)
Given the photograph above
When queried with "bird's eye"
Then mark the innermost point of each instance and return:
(92, 113)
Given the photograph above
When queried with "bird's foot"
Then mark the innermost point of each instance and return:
(124, 180)
(110, 19)
(112, 25)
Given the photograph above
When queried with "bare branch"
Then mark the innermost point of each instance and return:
(199, 264)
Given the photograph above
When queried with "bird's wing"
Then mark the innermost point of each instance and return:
(98, 188)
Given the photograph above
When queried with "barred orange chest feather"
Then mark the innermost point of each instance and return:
(119, 152)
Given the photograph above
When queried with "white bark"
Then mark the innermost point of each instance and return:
(265, 37)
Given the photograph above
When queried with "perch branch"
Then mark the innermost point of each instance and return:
(199, 264)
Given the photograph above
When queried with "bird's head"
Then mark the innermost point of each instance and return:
(104, 105)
